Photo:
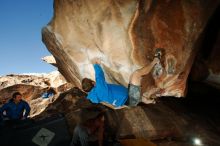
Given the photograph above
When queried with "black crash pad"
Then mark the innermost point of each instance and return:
(37, 131)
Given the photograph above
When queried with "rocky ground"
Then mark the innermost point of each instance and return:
(32, 86)
(171, 121)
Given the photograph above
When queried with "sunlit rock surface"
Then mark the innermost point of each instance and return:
(125, 34)
(50, 60)
(32, 86)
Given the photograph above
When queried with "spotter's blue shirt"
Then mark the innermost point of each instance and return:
(15, 111)
(104, 92)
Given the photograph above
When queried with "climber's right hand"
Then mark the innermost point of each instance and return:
(96, 60)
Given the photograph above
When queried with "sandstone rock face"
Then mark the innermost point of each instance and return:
(54, 79)
(206, 66)
(213, 64)
(50, 60)
(125, 34)
(32, 87)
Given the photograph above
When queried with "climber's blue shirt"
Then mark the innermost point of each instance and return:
(15, 111)
(104, 92)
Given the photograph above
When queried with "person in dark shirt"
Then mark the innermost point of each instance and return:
(15, 109)
(90, 130)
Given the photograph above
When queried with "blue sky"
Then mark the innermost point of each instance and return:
(21, 48)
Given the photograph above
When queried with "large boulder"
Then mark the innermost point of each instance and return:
(125, 35)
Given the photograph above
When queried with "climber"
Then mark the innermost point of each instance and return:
(116, 95)
(14, 109)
